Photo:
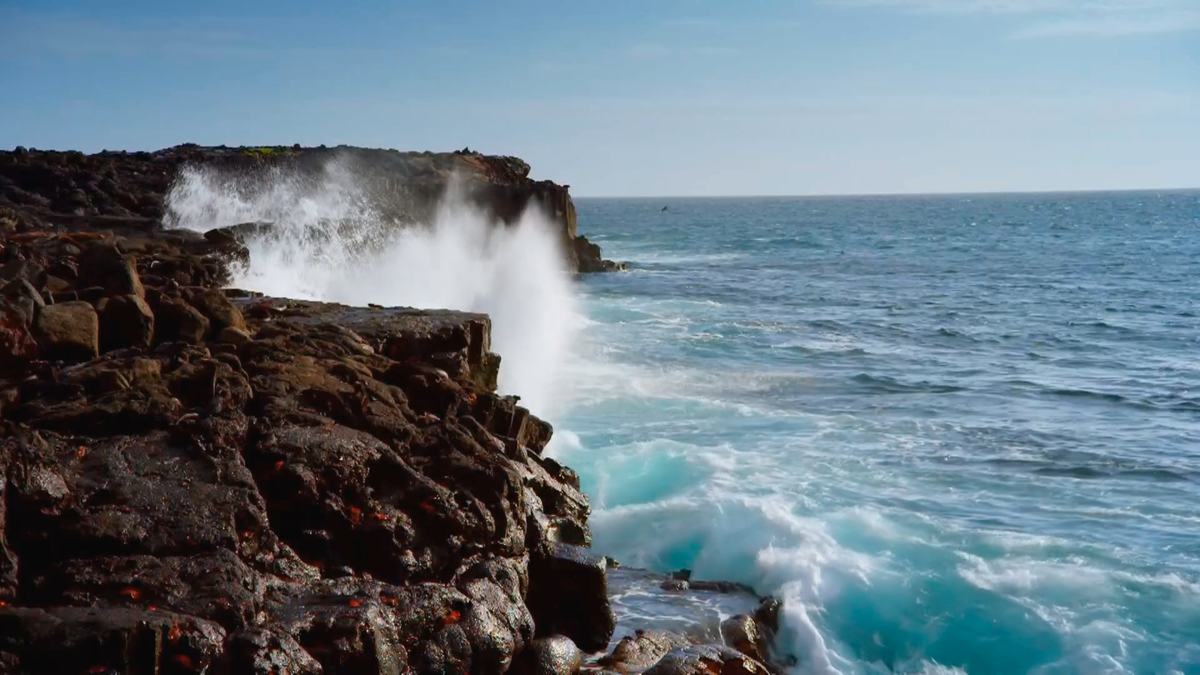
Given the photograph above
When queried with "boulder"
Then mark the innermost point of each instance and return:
(638, 652)
(554, 655)
(707, 660)
(568, 595)
(178, 321)
(743, 633)
(219, 310)
(233, 336)
(104, 265)
(126, 321)
(69, 331)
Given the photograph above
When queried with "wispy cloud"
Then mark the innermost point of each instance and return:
(652, 50)
(34, 35)
(1058, 18)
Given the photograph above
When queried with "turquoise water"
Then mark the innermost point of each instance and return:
(954, 433)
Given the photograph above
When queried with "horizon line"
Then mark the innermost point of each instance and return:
(975, 193)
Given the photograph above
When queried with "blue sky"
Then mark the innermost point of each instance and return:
(654, 97)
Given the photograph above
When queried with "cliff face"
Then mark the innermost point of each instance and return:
(198, 479)
(40, 189)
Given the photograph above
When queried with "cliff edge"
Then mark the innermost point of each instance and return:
(48, 188)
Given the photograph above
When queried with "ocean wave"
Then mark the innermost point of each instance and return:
(880, 384)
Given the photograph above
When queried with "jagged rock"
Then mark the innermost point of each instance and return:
(91, 640)
(216, 586)
(706, 660)
(743, 634)
(17, 345)
(640, 651)
(219, 310)
(568, 595)
(24, 298)
(179, 321)
(262, 651)
(554, 655)
(126, 321)
(69, 331)
(336, 489)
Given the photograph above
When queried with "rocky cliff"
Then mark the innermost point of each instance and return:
(39, 188)
(197, 479)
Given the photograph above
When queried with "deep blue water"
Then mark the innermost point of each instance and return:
(954, 432)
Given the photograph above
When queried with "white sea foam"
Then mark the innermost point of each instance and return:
(330, 242)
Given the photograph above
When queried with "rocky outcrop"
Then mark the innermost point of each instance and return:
(196, 479)
(208, 480)
(40, 189)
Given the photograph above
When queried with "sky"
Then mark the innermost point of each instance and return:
(642, 98)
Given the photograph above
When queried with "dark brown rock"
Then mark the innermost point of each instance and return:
(104, 265)
(554, 655)
(568, 595)
(640, 651)
(262, 651)
(89, 640)
(743, 633)
(179, 321)
(706, 660)
(68, 332)
(24, 298)
(217, 308)
(126, 321)
(242, 484)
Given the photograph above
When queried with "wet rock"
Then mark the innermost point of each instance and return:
(554, 655)
(68, 332)
(126, 321)
(261, 651)
(568, 595)
(706, 660)
(338, 489)
(178, 321)
(742, 633)
(94, 640)
(640, 651)
(152, 495)
(216, 586)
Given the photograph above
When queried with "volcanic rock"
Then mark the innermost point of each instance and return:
(69, 331)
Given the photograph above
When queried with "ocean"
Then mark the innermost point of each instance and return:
(954, 433)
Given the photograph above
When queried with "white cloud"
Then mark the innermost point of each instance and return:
(1057, 18)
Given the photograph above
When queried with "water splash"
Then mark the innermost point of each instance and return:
(331, 241)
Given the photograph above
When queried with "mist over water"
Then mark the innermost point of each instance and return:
(330, 242)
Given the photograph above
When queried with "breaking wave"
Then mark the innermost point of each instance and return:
(330, 240)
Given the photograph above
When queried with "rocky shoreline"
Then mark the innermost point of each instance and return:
(204, 479)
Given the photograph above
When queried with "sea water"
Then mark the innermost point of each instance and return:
(953, 433)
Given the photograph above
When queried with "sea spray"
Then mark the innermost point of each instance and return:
(329, 240)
